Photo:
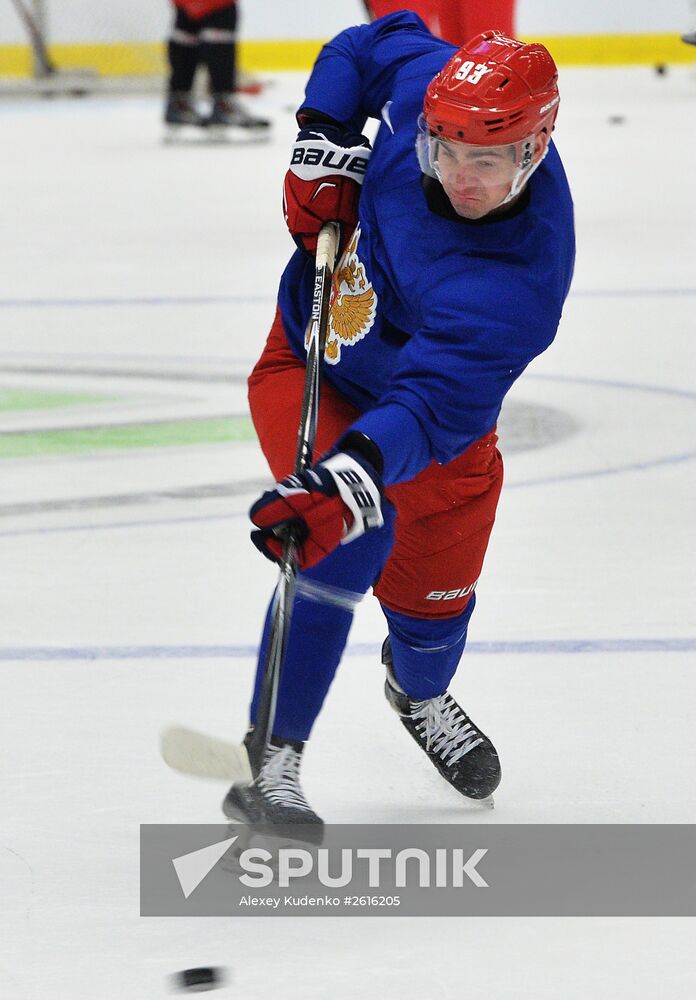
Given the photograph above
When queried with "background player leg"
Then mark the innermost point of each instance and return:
(183, 52)
(228, 119)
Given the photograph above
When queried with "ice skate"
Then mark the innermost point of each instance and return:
(275, 795)
(228, 121)
(182, 121)
(463, 755)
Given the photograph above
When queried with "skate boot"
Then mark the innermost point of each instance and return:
(229, 121)
(275, 795)
(463, 755)
(181, 119)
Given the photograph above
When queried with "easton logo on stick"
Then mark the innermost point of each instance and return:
(353, 303)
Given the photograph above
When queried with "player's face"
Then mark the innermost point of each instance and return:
(477, 179)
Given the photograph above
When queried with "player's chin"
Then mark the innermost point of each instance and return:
(470, 207)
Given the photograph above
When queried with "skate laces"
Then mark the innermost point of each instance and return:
(279, 778)
(447, 731)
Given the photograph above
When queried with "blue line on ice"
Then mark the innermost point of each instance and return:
(206, 300)
(113, 525)
(144, 300)
(525, 646)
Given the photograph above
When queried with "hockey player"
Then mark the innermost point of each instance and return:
(205, 31)
(457, 256)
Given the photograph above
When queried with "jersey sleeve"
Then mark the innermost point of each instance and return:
(354, 73)
(477, 337)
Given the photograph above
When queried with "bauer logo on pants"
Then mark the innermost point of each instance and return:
(451, 595)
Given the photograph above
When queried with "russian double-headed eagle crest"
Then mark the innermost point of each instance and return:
(353, 303)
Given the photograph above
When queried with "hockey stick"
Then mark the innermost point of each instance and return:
(194, 753)
(285, 591)
(43, 60)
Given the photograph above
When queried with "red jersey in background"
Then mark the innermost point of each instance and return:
(454, 20)
(201, 8)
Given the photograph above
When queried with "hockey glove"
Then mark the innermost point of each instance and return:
(323, 183)
(328, 505)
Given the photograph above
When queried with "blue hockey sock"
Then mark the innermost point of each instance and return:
(426, 651)
(322, 615)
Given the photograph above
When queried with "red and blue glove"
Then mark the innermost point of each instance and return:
(327, 505)
(323, 183)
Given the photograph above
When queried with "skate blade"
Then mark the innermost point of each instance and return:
(201, 756)
(183, 135)
(234, 136)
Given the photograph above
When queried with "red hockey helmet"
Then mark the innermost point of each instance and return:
(494, 90)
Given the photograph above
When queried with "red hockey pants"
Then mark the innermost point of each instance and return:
(444, 515)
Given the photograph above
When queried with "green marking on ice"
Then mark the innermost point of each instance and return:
(39, 399)
(175, 433)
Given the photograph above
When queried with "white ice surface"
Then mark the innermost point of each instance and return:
(136, 260)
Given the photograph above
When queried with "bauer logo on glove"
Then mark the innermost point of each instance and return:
(315, 157)
(328, 505)
(327, 167)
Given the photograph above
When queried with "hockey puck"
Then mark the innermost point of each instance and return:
(199, 980)
(616, 119)
(661, 69)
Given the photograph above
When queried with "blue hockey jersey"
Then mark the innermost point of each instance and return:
(433, 318)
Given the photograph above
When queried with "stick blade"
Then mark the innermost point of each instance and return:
(201, 756)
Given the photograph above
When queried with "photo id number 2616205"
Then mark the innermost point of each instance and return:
(371, 900)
